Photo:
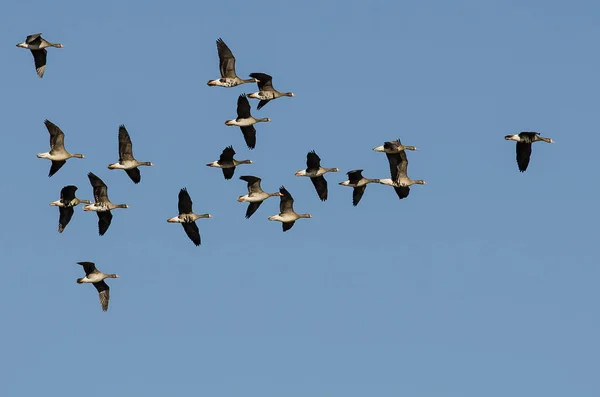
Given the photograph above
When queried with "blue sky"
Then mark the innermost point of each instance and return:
(481, 283)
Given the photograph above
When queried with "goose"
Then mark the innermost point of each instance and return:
(392, 149)
(359, 183)
(102, 204)
(65, 206)
(227, 68)
(524, 141)
(37, 45)
(57, 154)
(401, 183)
(126, 160)
(287, 216)
(266, 92)
(255, 194)
(316, 172)
(246, 122)
(227, 163)
(187, 218)
(96, 277)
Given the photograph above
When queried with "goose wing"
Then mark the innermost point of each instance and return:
(125, 146)
(226, 60)
(402, 168)
(249, 133)
(134, 174)
(56, 165)
(320, 186)
(357, 194)
(88, 267)
(523, 155)
(252, 207)
(64, 217)
(103, 293)
(228, 172)
(39, 60)
(286, 202)
(191, 229)
(227, 155)
(104, 219)
(313, 161)
(185, 202)
(57, 137)
(67, 194)
(264, 83)
(392, 145)
(253, 183)
(100, 188)
(34, 38)
(402, 191)
(287, 225)
(394, 160)
(354, 176)
(243, 107)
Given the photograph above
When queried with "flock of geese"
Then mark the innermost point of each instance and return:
(58, 155)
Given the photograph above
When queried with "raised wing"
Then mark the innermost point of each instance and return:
(226, 60)
(185, 202)
(125, 146)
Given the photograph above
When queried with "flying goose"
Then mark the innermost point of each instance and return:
(266, 92)
(126, 160)
(402, 182)
(227, 163)
(245, 121)
(38, 45)
(287, 216)
(102, 204)
(359, 183)
(255, 194)
(65, 206)
(227, 68)
(96, 277)
(316, 172)
(392, 149)
(187, 218)
(524, 141)
(57, 154)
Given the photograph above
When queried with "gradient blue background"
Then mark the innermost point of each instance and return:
(484, 282)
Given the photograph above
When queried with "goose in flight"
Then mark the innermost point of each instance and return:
(37, 45)
(57, 154)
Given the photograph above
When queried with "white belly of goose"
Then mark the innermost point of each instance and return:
(98, 207)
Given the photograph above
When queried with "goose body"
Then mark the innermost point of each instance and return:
(187, 217)
(315, 172)
(227, 68)
(126, 160)
(37, 45)
(400, 180)
(246, 122)
(255, 194)
(393, 149)
(287, 216)
(227, 163)
(102, 205)
(359, 183)
(524, 141)
(96, 277)
(57, 154)
(266, 92)
(65, 206)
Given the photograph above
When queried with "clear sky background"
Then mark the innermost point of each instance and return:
(484, 282)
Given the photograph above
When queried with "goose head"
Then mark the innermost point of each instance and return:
(514, 137)
(301, 173)
(213, 164)
(379, 148)
(43, 155)
(420, 182)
